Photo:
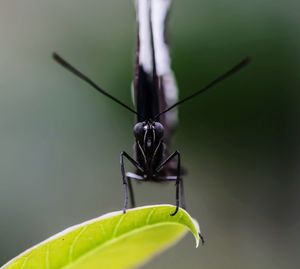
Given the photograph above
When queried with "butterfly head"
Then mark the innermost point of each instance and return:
(148, 133)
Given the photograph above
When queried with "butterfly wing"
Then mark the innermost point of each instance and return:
(155, 86)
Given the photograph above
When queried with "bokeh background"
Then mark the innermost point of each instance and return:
(60, 140)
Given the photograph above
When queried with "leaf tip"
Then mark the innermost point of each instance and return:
(200, 238)
(198, 235)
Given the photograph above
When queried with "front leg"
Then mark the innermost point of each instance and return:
(126, 182)
(178, 179)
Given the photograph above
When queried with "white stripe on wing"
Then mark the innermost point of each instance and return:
(143, 19)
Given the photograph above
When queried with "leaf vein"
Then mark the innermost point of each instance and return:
(24, 262)
(117, 226)
(72, 247)
(149, 216)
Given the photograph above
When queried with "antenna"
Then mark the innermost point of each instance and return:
(227, 74)
(77, 73)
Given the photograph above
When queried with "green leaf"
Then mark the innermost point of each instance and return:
(114, 240)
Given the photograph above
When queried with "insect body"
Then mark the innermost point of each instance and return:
(151, 163)
(155, 96)
(154, 89)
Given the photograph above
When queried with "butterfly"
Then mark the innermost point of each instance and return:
(155, 98)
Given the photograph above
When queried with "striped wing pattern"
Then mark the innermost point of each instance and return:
(155, 86)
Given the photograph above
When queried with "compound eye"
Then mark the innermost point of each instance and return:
(159, 129)
(138, 129)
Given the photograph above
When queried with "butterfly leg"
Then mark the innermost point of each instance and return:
(126, 181)
(131, 176)
(131, 193)
(178, 180)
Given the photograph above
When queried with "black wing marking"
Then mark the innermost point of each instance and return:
(146, 83)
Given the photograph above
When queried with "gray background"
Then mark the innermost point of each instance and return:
(60, 140)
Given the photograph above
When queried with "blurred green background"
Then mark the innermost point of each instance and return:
(60, 140)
